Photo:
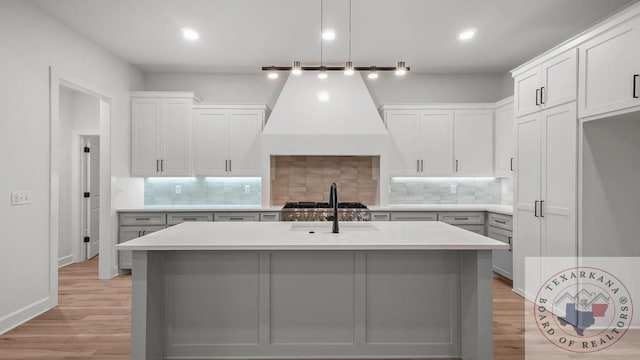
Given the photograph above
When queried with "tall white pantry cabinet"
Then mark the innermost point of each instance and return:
(545, 186)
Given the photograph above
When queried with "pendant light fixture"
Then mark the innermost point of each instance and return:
(349, 69)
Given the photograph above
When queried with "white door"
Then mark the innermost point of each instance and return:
(608, 64)
(504, 133)
(436, 143)
(558, 186)
(473, 143)
(403, 128)
(559, 79)
(91, 184)
(526, 88)
(526, 241)
(245, 127)
(211, 148)
(144, 137)
(175, 135)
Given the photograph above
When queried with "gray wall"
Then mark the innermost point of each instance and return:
(387, 89)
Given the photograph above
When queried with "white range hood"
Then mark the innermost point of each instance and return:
(346, 124)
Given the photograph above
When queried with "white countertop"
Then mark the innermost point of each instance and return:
(427, 235)
(501, 209)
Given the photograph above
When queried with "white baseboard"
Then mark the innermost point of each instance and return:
(25, 314)
(65, 260)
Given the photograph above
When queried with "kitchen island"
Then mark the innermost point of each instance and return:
(208, 290)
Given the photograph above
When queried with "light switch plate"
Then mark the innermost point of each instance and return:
(178, 189)
(454, 189)
(247, 189)
(20, 197)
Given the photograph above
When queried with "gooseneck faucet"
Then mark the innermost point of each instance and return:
(333, 202)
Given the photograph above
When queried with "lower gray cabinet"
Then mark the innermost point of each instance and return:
(270, 216)
(380, 216)
(471, 221)
(180, 217)
(502, 259)
(236, 216)
(414, 216)
(127, 233)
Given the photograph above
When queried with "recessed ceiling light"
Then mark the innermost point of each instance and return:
(373, 74)
(467, 34)
(323, 96)
(329, 34)
(323, 73)
(190, 34)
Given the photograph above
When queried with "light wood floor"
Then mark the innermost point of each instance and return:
(93, 317)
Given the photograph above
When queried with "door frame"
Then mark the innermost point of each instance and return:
(107, 264)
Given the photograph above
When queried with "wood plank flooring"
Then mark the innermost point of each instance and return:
(93, 318)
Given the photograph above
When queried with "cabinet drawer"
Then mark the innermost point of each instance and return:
(414, 216)
(270, 216)
(501, 221)
(142, 219)
(457, 218)
(236, 216)
(380, 216)
(478, 229)
(177, 218)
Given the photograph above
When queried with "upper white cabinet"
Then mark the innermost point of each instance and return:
(440, 142)
(160, 133)
(544, 86)
(473, 143)
(227, 140)
(610, 70)
(503, 139)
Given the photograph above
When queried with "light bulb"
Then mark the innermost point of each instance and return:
(296, 69)
(348, 68)
(329, 34)
(401, 68)
(373, 74)
(323, 96)
(272, 75)
(190, 34)
(467, 34)
(323, 73)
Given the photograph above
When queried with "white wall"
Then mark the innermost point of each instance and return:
(387, 89)
(31, 42)
(610, 179)
(78, 111)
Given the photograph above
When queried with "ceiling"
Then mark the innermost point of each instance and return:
(240, 36)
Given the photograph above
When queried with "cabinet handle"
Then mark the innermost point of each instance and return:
(226, 166)
(635, 86)
(499, 221)
(535, 208)
(230, 166)
(456, 165)
(511, 164)
(144, 232)
(537, 97)
(417, 165)
(140, 233)
(189, 219)
(541, 205)
(421, 165)
(157, 165)
(542, 95)
(162, 165)
(236, 218)
(143, 219)
(509, 243)
(460, 218)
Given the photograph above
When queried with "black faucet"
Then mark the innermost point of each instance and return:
(333, 202)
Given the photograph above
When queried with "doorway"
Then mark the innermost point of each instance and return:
(90, 180)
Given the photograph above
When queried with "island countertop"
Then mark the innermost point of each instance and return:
(400, 235)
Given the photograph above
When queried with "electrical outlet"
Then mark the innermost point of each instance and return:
(454, 189)
(247, 189)
(178, 189)
(20, 197)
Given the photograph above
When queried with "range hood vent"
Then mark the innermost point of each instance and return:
(333, 116)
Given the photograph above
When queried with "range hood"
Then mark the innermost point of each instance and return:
(347, 123)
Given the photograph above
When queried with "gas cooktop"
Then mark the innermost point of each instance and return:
(323, 205)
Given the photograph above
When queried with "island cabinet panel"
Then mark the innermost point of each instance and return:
(311, 304)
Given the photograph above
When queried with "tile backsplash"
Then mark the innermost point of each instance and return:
(202, 191)
(308, 178)
(415, 191)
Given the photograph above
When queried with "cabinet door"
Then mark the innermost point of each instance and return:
(403, 128)
(245, 127)
(145, 120)
(502, 259)
(473, 143)
(436, 143)
(526, 88)
(175, 137)
(526, 194)
(127, 233)
(504, 132)
(236, 216)
(608, 64)
(210, 146)
(414, 216)
(559, 79)
(558, 186)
